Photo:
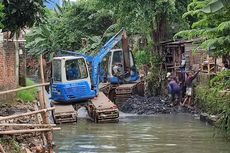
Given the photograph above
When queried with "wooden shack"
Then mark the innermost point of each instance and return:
(177, 54)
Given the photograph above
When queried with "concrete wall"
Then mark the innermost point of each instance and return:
(7, 70)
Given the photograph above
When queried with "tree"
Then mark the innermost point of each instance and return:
(150, 18)
(1, 15)
(66, 28)
(213, 25)
(21, 14)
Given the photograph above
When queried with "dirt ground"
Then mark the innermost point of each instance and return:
(18, 143)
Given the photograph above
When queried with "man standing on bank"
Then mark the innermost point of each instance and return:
(189, 85)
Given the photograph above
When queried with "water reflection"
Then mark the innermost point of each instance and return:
(150, 134)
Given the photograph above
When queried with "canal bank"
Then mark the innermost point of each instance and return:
(212, 96)
(168, 133)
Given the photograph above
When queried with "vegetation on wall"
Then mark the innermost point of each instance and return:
(211, 98)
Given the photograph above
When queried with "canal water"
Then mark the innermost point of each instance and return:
(179, 133)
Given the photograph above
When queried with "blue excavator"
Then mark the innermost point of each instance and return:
(76, 79)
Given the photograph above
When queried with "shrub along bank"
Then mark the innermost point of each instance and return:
(27, 95)
(214, 98)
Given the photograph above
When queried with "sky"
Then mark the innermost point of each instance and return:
(52, 3)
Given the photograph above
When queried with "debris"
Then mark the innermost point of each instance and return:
(152, 105)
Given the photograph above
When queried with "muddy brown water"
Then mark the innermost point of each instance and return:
(179, 133)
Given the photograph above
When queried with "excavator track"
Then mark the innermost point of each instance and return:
(102, 109)
(64, 113)
(121, 93)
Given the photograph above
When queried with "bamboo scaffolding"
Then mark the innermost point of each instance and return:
(29, 130)
(46, 129)
(26, 114)
(24, 88)
(1, 149)
(29, 125)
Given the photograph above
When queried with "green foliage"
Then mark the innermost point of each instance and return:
(11, 145)
(156, 76)
(65, 28)
(96, 20)
(21, 14)
(213, 25)
(148, 17)
(27, 95)
(142, 57)
(210, 99)
(1, 15)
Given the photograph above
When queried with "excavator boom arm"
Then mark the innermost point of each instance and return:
(99, 57)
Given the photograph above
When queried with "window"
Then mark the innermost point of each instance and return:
(117, 57)
(56, 68)
(76, 69)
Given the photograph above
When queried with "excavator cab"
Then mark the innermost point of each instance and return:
(120, 71)
(70, 80)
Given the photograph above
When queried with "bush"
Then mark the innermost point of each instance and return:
(210, 99)
(142, 57)
(27, 95)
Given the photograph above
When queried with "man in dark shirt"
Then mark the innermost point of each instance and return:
(189, 84)
(174, 90)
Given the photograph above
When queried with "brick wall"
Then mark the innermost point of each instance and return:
(7, 70)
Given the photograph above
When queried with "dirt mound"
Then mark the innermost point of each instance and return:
(152, 105)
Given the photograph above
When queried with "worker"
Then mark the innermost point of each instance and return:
(225, 66)
(72, 73)
(189, 84)
(174, 91)
(117, 71)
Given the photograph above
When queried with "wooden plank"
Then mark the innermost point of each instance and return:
(28, 125)
(24, 88)
(29, 131)
(26, 114)
(45, 116)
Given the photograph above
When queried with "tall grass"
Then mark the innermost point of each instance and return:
(27, 95)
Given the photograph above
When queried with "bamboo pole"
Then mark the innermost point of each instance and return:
(42, 100)
(29, 130)
(1, 149)
(26, 114)
(24, 88)
(39, 118)
(29, 125)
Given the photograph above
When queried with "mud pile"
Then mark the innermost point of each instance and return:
(152, 105)
(27, 140)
